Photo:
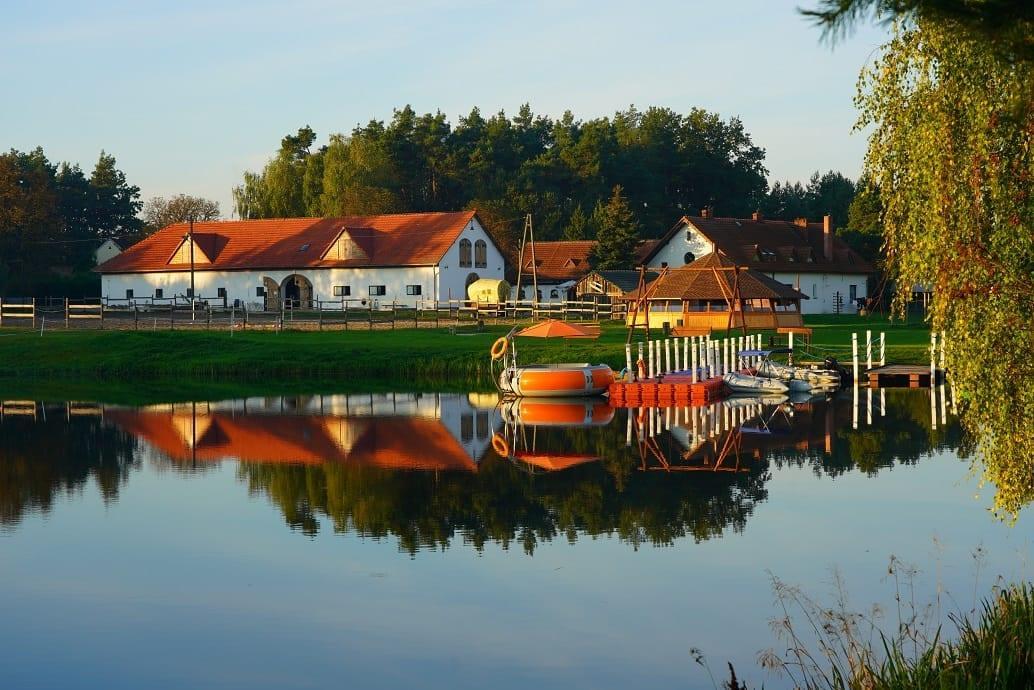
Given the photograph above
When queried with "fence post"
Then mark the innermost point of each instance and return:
(868, 349)
(319, 313)
(370, 315)
(854, 356)
(136, 318)
(394, 314)
(33, 306)
(883, 348)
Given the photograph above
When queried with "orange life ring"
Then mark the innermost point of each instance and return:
(500, 445)
(499, 348)
(641, 367)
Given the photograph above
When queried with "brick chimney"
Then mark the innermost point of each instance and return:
(705, 212)
(756, 216)
(827, 237)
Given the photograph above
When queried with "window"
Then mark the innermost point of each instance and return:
(412, 289)
(689, 258)
(159, 293)
(814, 290)
(483, 426)
(342, 290)
(221, 292)
(465, 261)
(466, 428)
(260, 291)
(854, 292)
(377, 291)
(190, 292)
(767, 254)
(481, 254)
(664, 264)
(129, 293)
(554, 293)
(304, 247)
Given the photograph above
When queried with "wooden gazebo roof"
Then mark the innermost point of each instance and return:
(716, 277)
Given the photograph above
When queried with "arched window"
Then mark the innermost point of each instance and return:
(554, 294)
(465, 253)
(481, 254)
(689, 258)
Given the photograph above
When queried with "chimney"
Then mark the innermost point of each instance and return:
(705, 212)
(827, 236)
(800, 222)
(756, 216)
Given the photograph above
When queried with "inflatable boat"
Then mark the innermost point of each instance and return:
(558, 412)
(756, 385)
(556, 380)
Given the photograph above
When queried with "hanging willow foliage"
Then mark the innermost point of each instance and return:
(952, 152)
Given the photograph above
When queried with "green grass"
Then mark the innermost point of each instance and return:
(336, 359)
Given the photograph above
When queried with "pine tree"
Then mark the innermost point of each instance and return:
(578, 226)
(617, 233)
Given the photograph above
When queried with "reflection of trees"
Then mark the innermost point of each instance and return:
(41, 460)
(903, 436)
(504, 503)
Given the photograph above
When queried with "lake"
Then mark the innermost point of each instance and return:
(436, 540)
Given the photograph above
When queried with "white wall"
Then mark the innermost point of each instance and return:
(241, 284)
(685, 239)
(821, 289)
(107, 250)
(452, 278)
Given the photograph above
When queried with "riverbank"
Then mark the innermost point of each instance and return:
(337, 357)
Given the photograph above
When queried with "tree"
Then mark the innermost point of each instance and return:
(950, 101)
(578, 226)
(863, 231)
(617, 233)
(159, 212)
(115, 203)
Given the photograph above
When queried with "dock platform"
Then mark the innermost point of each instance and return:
(902, 376)
(670, 390)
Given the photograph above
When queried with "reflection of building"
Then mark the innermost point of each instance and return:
(394, 431)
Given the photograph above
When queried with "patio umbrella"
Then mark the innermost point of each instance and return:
(552, 328)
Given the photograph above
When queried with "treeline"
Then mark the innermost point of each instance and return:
(53, 217)
(566, 172)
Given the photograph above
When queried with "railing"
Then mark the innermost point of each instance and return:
(341, 313)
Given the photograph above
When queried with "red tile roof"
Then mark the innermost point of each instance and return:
(690, 283)
(407, 239)
(792, 248)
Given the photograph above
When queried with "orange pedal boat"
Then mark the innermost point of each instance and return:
(556, 380)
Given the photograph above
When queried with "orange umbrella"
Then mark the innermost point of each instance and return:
(552, 328)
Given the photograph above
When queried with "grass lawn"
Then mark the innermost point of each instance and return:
(338, 359)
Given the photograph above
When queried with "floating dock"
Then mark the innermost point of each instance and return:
(902, 376)
(671, 390)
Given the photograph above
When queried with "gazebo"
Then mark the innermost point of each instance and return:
(714, 292)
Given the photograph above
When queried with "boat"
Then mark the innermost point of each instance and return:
(739, 382)
(556, 380)
(564, 380)
(785, 372)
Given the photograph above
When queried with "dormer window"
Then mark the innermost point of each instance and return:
(767, 254)
(304, 247)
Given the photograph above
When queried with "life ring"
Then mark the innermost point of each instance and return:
(641, 368)
(499, 347)
(500, 445)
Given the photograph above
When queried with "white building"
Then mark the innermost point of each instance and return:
(805, 256)
(400, 258)
(108, 249)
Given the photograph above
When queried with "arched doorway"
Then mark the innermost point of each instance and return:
(297, 292)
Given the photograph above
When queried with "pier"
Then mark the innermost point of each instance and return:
(903, 376)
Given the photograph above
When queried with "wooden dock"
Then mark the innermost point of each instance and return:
(902, 376)
(670, 390)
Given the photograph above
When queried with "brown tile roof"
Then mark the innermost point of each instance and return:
(773, 245)
(408, 239)
(695, 282)
(570, 259)
(559, 261)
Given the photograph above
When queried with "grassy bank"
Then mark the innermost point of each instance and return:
(335, 358)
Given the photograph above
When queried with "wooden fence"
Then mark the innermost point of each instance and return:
(179, 312)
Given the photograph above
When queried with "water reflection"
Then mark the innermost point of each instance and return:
(430, 469)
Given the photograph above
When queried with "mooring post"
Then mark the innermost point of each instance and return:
(639, 360)
(854, 421)
(944, 341)
(868, 350)
(693, 356)
(678, 359)
(649, 360)
(854, 357)
(933, 360)
(667, 355)
(789, 344)
(883, 348)
(628, 361)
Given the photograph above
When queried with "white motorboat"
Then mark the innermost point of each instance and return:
(756, 385)
(785, 372)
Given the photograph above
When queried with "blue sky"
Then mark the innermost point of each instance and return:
(187, 95)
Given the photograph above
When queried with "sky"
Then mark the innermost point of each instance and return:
(189, 95)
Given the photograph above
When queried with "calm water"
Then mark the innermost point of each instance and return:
(381, 541)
